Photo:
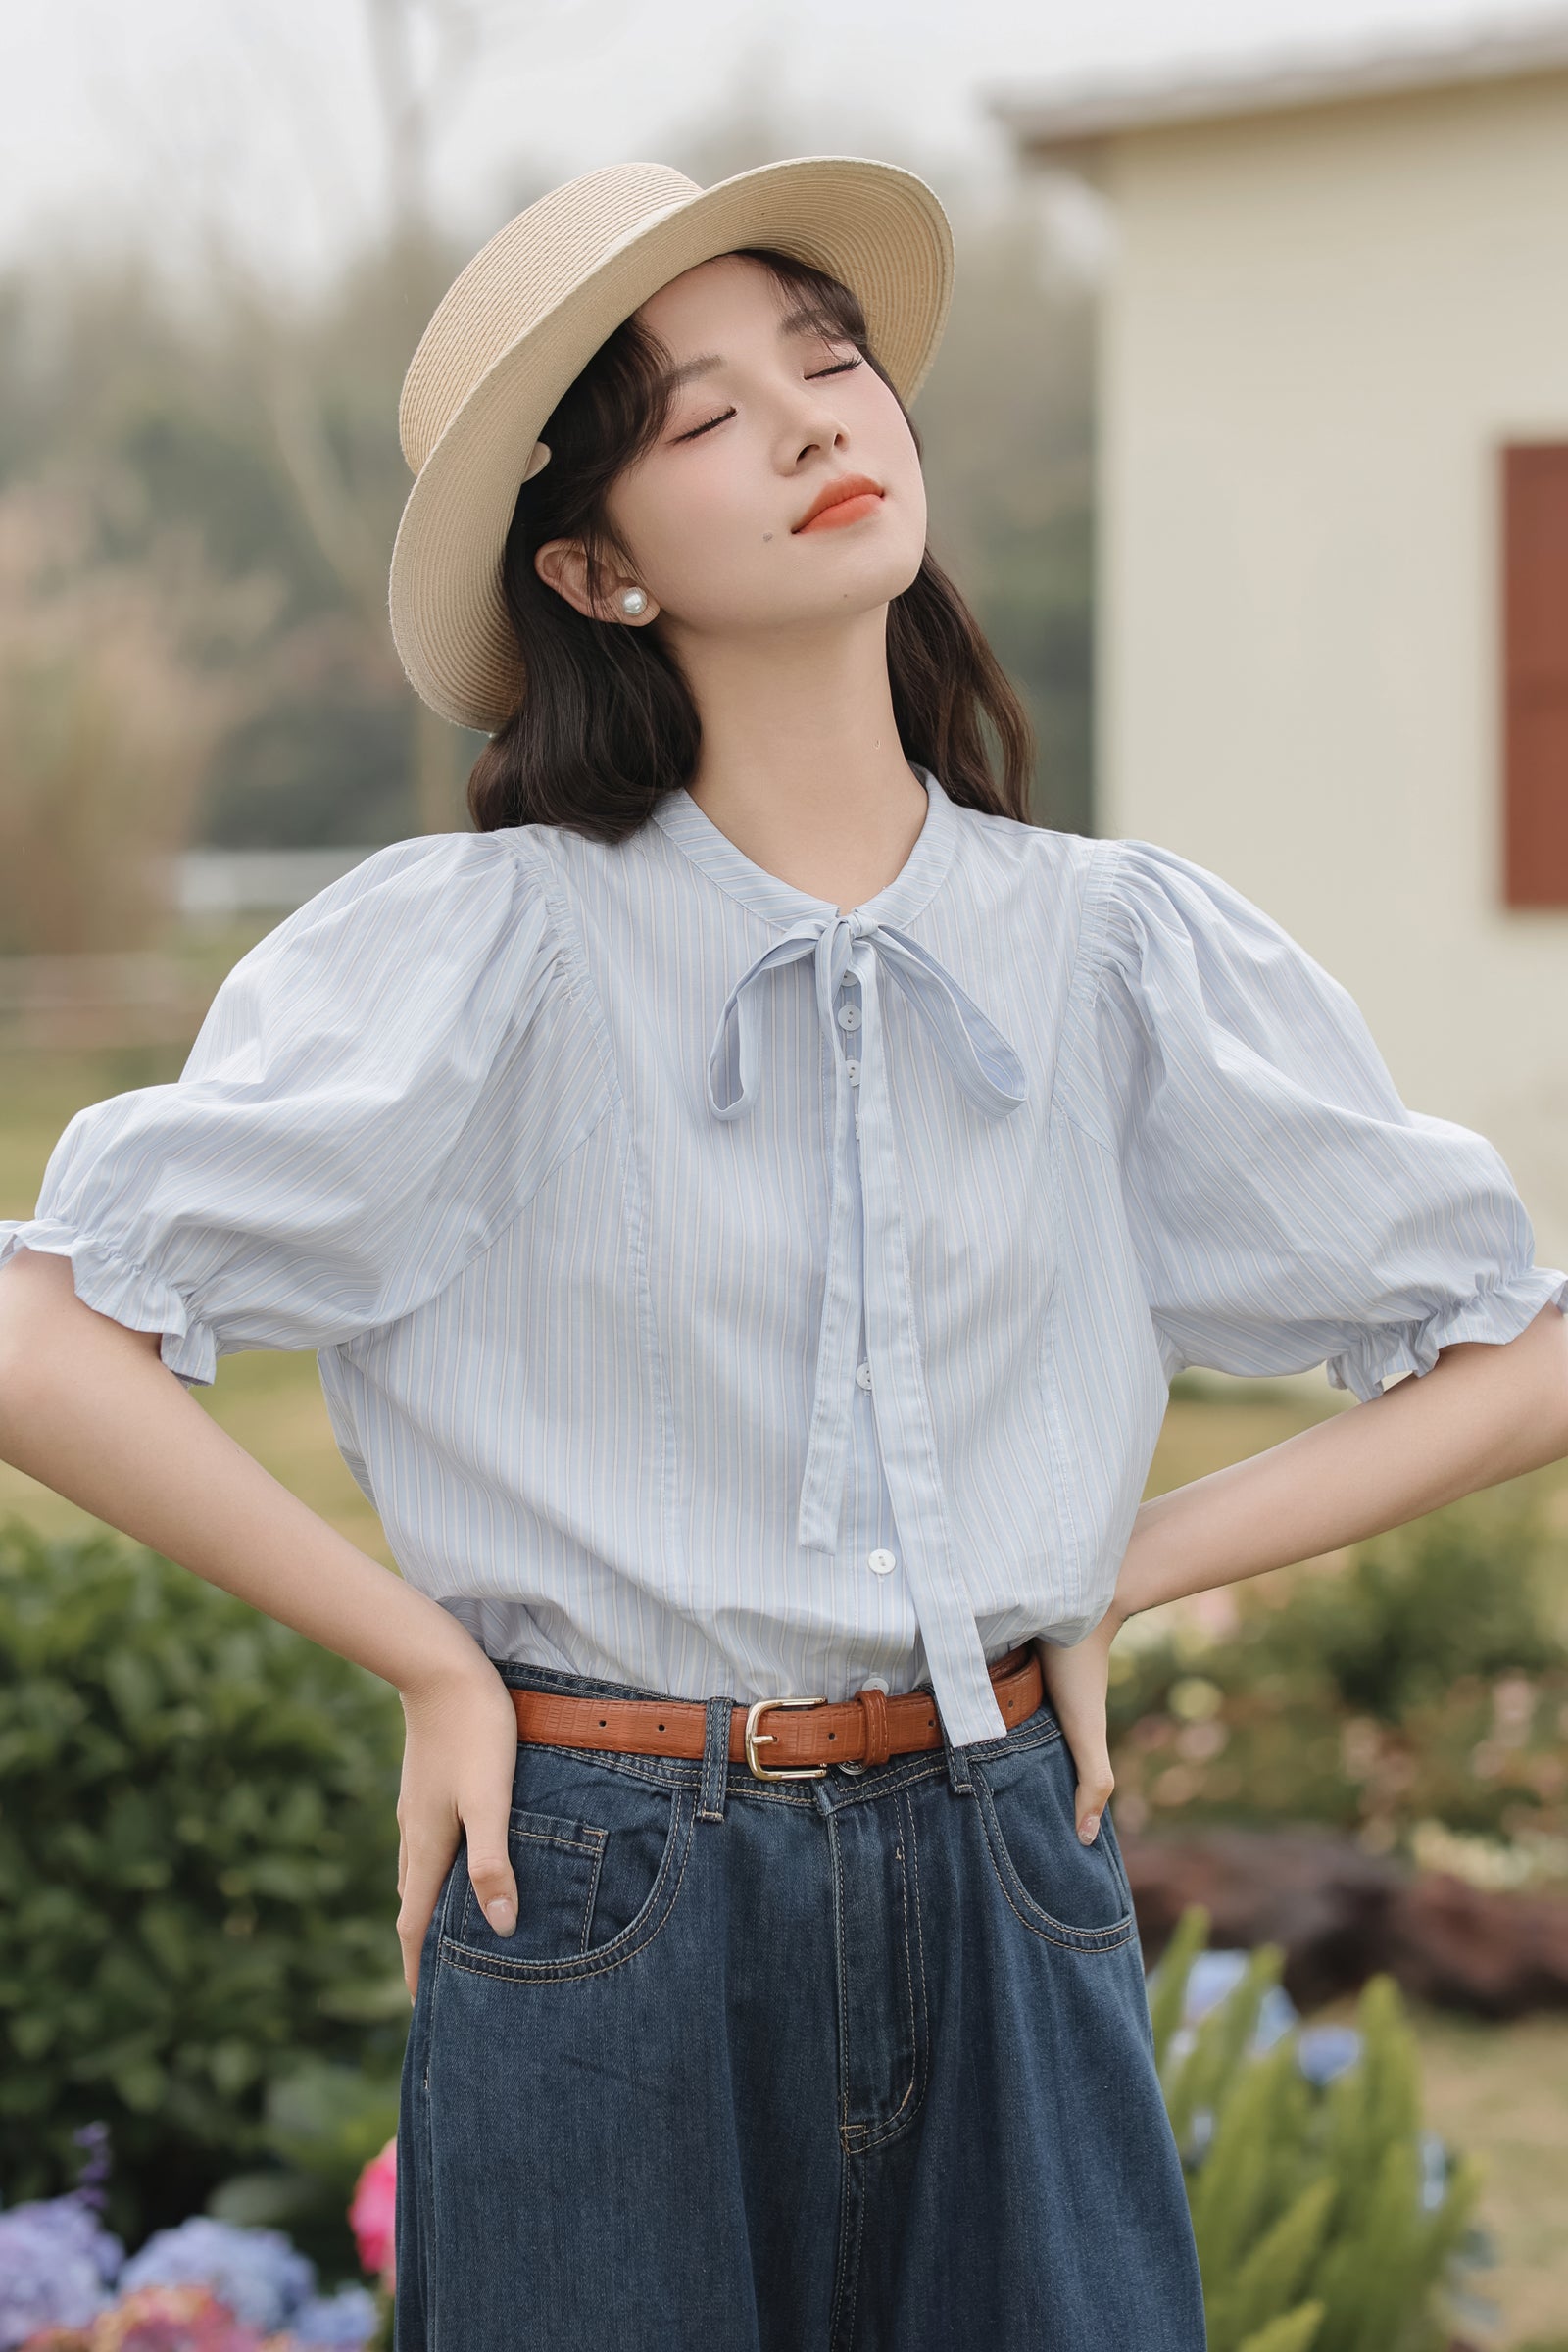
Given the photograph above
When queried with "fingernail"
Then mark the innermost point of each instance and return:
(499, 1913)
(1089, 1829)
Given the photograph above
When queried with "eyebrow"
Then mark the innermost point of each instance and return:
(800, 319)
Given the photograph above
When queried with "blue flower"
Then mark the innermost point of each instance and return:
(1211, 1980)
(1211, 1977)
(261, 2278)
(56, 2260)
(1436, 2165)
(342, 2322)
(1324, 2051)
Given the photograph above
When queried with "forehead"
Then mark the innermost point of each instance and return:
(732, 287)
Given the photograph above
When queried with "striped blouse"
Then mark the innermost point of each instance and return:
(717, 1292)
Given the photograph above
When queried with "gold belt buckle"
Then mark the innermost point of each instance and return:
(755, 1739)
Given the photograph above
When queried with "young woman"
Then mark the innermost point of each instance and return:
(749, 1197)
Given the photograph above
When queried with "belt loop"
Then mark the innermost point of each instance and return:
(716, 1760)
(959, 1780)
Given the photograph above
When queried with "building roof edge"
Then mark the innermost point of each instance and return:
(1073, 115)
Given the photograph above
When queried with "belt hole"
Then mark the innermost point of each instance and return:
(832, 1735)
(603, 1721)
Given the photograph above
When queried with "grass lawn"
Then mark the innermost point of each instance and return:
(1501, 2092)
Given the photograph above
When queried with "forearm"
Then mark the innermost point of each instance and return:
(1484, 1413)
(88, 1408)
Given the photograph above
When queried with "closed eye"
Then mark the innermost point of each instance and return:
(839, 368)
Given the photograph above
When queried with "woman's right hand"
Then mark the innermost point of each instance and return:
(460, 1754)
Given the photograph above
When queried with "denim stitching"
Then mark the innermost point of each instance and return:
(846, 2281)
(843, 1977)
(593, 1896)
(576, 1845)
(432, 2300)
(533, 1972)
(1090, 1941)
(919, 1936)
(876, 2136)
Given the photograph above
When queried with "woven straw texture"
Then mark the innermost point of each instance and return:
(523, 319)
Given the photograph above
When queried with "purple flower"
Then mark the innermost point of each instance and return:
(257, 2272)
(342, 2322)
(56, 2260)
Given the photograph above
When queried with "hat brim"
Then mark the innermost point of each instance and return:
(876, 227)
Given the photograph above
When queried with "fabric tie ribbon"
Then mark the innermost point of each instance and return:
(867, 1258)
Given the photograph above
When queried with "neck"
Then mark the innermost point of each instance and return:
(801, 763)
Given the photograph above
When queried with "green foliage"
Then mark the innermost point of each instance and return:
(1425, 1682)
(1295, 2332)
(198, 1868)
(1461, 1592)
(323, 2123)
(1316, 2222)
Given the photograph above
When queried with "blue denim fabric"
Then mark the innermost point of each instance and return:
(859, 2064)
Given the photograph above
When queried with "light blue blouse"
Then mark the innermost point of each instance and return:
(716, 1292)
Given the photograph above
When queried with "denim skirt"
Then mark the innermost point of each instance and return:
(858, 2064)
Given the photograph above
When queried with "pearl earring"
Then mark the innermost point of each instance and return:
(633, 600)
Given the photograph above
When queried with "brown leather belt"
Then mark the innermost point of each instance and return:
(866, 1728)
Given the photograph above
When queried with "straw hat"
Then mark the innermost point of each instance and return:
(522, 321)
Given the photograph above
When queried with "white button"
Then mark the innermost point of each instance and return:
(849, 1017)
(853, 1069)
(862, 1376)
(882, 1562)
(874, 1681)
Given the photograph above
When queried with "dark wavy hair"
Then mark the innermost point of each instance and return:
(607, 721)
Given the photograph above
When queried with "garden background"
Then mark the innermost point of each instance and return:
(199, 483)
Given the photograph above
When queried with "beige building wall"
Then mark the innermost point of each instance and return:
(1319, 326)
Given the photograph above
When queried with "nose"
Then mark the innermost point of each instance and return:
(818, 424)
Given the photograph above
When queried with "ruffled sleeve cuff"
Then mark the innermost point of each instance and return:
(1495, 1313)
(128, 1293)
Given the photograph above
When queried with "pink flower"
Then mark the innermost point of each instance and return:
(160, 2319)
(372, 2216)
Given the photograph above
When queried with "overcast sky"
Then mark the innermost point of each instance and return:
(133, 117)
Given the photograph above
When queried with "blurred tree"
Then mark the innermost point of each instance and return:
(117, 678)
(263, 423)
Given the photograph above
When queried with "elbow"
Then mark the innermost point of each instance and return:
(1543, 1346)
(30, 1309)
(1518, 1389)
(1558, 1386)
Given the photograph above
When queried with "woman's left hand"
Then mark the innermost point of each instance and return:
(1076, 1683)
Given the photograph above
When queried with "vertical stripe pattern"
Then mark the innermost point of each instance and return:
(722, 1291)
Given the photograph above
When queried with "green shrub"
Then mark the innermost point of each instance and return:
(198, 1865)
(324, 2123)
(1463, 1592)
(1319, 2221)
(1426, 1681)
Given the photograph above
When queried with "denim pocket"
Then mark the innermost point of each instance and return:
(598, 1856)
(556, 1863)
(1067, 1892)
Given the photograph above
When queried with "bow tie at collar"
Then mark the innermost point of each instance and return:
(871, 1245)
(973, 1047)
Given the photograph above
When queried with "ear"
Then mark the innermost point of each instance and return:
(562, 564)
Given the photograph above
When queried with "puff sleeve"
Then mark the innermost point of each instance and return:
(377, 1088)
(1285, 1209)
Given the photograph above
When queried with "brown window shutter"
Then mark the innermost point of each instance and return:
(1534, 670)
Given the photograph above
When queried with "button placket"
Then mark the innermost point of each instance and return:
(867, 1296)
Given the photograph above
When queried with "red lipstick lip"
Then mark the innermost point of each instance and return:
(844, 485)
